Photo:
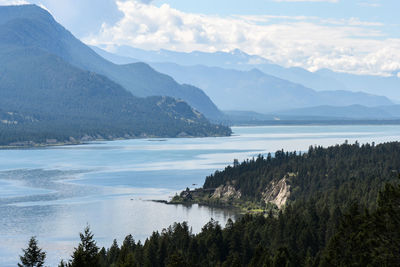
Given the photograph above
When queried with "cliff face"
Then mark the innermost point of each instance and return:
(277, 192)
(226, 192)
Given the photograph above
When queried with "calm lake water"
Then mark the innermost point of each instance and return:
(53, 193)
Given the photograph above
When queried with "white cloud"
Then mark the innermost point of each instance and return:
(348, 45)
(13, 2)
(398, 75)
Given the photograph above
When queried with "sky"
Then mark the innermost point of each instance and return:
(355, 36)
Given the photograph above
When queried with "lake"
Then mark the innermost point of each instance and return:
(54, 192)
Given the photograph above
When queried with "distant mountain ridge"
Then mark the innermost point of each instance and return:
(239, 60)
(233, 89)
(347, 112)
(254, 90)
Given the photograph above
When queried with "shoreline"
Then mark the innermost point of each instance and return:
(33, 145)
(237, 209)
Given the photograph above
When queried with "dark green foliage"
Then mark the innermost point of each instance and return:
(86, 254)
(312, 230)
(335, 176)
(296, 237)
(58, 101)
(368, 239)
(33, 255)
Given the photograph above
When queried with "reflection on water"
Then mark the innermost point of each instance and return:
(54, 192)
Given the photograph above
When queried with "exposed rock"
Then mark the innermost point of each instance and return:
(277, 192)
(226, 192)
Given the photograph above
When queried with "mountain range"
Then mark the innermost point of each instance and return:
(321, 80)
(248, 90)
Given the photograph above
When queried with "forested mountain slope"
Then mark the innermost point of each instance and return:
(64, 102)
(45, 99)
(31, 26)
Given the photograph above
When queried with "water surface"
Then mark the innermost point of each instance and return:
(54, 192)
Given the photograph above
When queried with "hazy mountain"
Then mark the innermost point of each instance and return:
(320, 80)
(114, 58)
(42, 96)
(222, 59)
(257, 91)
(347, 112)
(388, 86)
(319, 114)
(31, 26)
(253, 90)
(235, 59)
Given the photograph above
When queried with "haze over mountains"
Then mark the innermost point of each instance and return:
(225, 78)
(65, 90)
(321, 80)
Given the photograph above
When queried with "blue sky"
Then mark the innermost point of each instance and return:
(357, 36)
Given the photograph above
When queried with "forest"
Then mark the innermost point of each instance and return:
(344, 211)
(335, 176)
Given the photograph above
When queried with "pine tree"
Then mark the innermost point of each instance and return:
(33, 255)
(86, 254)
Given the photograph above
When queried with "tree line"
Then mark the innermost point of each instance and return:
(296, 237)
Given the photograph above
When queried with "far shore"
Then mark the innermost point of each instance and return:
(91, 140)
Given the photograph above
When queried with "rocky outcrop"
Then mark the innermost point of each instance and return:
(226, 192)
(277, 192)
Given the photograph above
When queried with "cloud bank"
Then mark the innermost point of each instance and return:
(13, 2)
(347, 45)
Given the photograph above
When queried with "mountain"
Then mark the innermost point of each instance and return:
(391, 112)
(64, 101)
(31, 26)
(388, 86)
(347, 112)
(254, 90)
(43, 97)
(235, 59)
(320, 80)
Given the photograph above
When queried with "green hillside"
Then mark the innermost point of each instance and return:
(65, 102)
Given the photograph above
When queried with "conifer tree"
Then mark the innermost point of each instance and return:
(33, 255)
(86, 254)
